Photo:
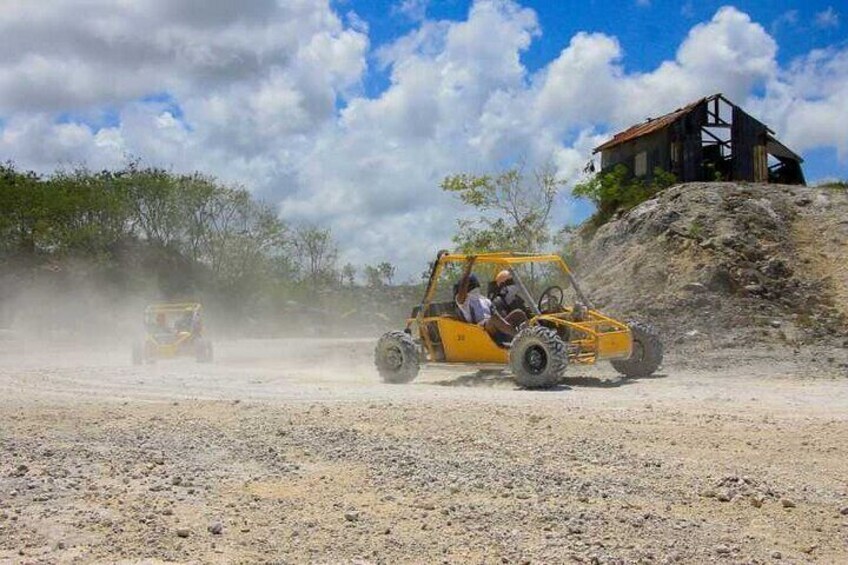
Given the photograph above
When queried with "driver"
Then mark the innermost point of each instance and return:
(477, 309)
(507, 300)
(185, 323)
(161, 325)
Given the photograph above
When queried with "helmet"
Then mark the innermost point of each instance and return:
(503, 277)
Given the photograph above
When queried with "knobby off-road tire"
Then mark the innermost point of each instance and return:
(537, 357)
(647, 353)
(396, 357)
(203, 351)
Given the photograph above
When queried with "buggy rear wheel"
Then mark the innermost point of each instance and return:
(151, 352)
(647, 353)
(396, 358)
(537, 357)
(203, 351)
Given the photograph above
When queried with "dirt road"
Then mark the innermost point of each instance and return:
(292, 451)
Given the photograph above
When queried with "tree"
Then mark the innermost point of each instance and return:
(379, 275)
(25, 224)
(316, 253)
(243, 250)
(387, 272)
(372, 276)
(152, 197)
(515, 207)
(348, 275)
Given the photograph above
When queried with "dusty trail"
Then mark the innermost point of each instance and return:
(296, 451)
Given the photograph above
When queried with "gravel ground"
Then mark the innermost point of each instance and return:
(292, 451)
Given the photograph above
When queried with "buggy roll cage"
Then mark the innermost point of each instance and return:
(507, 260)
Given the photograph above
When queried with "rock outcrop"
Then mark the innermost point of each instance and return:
(726, 263)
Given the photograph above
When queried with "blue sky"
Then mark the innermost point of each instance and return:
(650, 32)
(349, 113)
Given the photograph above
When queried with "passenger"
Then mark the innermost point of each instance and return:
(477, 309)
(508, 301)
(473, 306)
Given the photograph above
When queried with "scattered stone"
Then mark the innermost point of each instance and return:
(754, 288)
(776, 555)
(695, 287)
(183, 533)
(844, 511)
(787, 503)
(351, 516)
(216, 528)
(722, 549)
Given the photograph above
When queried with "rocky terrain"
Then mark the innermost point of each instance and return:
(727, 263)
(292, 451)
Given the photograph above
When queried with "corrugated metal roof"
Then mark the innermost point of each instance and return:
(649, 126)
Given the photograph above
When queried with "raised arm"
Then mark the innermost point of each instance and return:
(462, 293)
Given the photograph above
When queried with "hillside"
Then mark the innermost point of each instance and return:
(726, 264)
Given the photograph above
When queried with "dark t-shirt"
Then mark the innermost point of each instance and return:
(508, 298)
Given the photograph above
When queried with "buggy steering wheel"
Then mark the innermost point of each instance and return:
(552, 294)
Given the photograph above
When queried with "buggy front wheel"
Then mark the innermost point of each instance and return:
(537, 357)
(203, 351)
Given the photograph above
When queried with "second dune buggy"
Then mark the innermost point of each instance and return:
(172, 330)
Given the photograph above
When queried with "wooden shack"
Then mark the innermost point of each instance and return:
(710, 139)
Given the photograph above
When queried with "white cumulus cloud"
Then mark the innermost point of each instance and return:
(827, 18)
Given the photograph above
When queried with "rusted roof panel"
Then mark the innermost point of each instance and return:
(650, 126)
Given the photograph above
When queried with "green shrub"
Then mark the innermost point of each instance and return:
(834, 185)
(616, 190)
(696, 229)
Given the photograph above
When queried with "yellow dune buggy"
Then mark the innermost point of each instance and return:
(555, 335)
(172, 330)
